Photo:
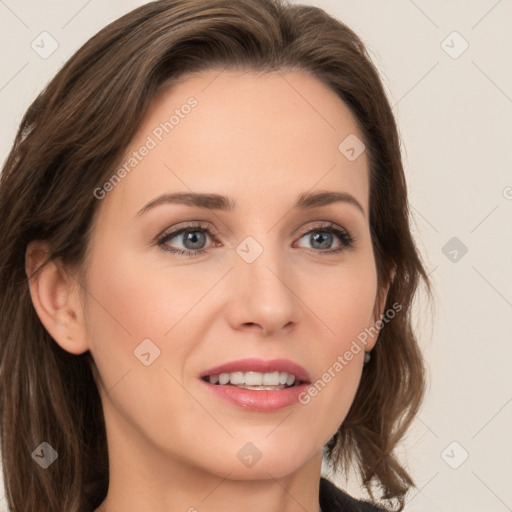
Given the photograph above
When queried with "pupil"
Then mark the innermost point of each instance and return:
(322, 242)
(193, 238)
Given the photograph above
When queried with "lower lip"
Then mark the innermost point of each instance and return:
(258, 400)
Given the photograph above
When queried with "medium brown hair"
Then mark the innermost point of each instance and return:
(68, 144)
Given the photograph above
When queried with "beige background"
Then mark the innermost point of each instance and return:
(454, 113)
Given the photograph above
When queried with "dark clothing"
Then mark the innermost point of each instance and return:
(333, 499)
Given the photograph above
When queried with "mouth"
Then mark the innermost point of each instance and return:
(257, 384)
(258, 381)
(254, 372)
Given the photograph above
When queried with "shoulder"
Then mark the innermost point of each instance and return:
(333, 499)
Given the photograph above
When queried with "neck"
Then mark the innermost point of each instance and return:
(142, 477)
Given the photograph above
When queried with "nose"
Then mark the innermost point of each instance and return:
(264, 292)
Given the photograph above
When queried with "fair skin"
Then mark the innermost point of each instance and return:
(172, 442)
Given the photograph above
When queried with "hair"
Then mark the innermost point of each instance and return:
(69, 141)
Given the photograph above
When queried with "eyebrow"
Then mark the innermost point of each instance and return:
(305, 201)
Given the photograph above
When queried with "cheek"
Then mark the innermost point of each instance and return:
(344, 298)
(143, 299)
(129, 301)
(134, 298)
(345, 305)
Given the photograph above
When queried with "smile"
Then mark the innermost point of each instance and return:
(255, 384)
(254, 380)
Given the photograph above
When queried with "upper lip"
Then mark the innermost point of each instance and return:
(262, 366)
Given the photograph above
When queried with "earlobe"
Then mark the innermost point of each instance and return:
(55, 298)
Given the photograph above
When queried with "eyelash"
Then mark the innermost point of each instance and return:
(345, 238)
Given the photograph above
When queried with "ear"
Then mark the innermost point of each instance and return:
(56, 299)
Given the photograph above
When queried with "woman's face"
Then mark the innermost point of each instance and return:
(263, 278)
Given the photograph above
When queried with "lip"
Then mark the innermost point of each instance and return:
(261, 366)
(259, 399)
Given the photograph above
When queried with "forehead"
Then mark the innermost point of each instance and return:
(252, 136)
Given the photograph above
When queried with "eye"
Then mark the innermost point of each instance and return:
(192, 236)
(322, 237)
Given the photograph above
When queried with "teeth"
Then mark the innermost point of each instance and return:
(236, 377)
(243, 379)
(271, 379)
(251, 379)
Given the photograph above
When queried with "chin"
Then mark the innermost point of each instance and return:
(253, 460)
(278, 467)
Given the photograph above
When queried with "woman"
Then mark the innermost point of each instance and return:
(207, 270)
